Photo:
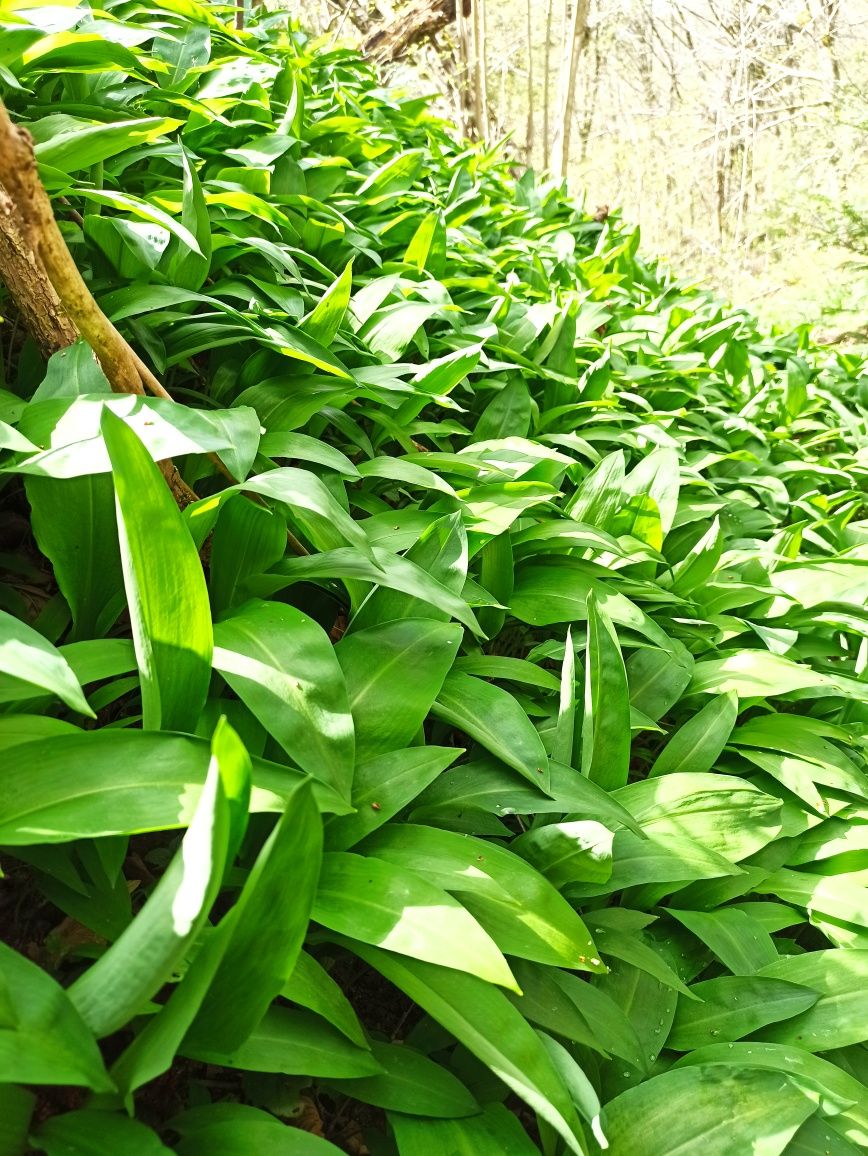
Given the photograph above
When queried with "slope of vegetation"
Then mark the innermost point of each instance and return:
(477, 764)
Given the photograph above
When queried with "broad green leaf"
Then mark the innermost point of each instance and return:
(441, 553)
(282, 665)
(804, 1069)
(467, 1008)
(579, 851)
(16, 1111)
(723, 813)
(414, 654)
(495, 720)
(82, 546)
(126, 781)
(116, 987)
(91, 1133)
(311, 987)
(393, 907)
(657, 680)
(606, 720)
(706, 1108)
(387, 570)
(43, 1039)
(696, 746)
(518, 907)
(247, 539)
(839, 1017)
(496, 1129)
(33, 664)
(412, 1084)
(758, 673)
(740, 942)
(381, 788)
(229, 1129)
(166, 591)
(760, 1000)
(295, 1043)
(557, 589)
(278, 894)
(323, 322)
(70, 144)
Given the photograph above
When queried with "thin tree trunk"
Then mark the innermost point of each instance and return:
(547, 82)
(573, 49)
(480, 69)
(529, 141)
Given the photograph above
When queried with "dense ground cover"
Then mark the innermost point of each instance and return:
(477, 765)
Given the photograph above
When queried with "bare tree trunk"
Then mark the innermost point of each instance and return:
(27, 282)
(586, 122)
(576, 41)
(480, 69)
(547, 81)
(529, 141)
(47, 288)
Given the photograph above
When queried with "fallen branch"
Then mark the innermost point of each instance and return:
(418, 22)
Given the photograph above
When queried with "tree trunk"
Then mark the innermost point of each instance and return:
(27, 282)
(576, 41)
(529, 142)
(47, 288)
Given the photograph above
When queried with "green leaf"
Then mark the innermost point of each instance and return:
(696, 745)
(723, 813)
(228, 1129)
(709, 1109)
(740, 943)
(296, 1043)
(467, 1007)
(311, 986)
(138, 963)
(839, 1016)
(556, 590)
(568, 852)
(518, 907)
(760, 1000)
(441, 554)
(70, 145)
(410, 1083)
(16, 1110)
(495, 720)
(282, 665)
(43, 1039)
(166, 591)
(34, 664)
(807, 1071)
(413, 654)
(247, 539)
(393, 907)
(381, 788)
(606, 722)
(387, 570)
(82, 546)
(126, 781)
(496, 1129)
(278, 894)
(323, 322)
(89, 1133)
